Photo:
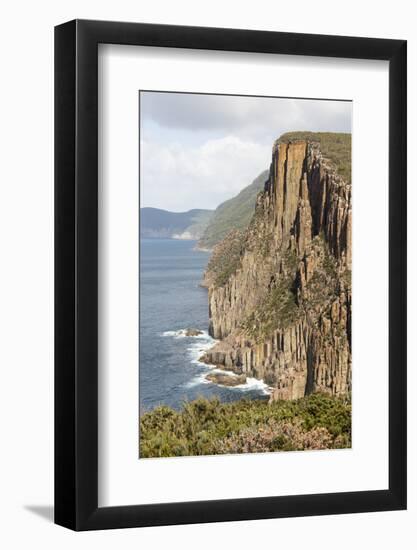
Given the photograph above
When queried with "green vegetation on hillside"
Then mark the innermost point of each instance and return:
(207, 427)
(337, 147)
(225, 258)
(234, 213)
(278, 308)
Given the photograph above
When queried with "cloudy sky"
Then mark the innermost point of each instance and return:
(199, 150)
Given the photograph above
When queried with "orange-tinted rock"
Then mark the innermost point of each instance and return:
(299, 242)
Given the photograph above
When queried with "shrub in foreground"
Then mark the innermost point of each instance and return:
(205, 427)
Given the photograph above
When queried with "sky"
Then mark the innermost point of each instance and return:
(198, 150)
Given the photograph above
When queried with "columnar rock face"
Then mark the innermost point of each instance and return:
(280, 292)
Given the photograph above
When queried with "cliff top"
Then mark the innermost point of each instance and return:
(335, 146)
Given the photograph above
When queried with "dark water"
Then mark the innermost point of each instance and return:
(172, 300)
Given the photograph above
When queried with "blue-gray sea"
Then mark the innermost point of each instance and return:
(171, 300)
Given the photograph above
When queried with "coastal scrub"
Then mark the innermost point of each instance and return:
(209, 427)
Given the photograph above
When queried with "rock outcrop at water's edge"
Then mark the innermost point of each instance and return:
(280, 291)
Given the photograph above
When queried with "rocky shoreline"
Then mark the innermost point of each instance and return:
(226, 375)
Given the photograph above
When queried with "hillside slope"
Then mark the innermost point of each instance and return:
(162, 224)
(234, 213)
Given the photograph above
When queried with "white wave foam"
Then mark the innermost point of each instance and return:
(251, 384)
(182, 333)
(198, 380)
(254, 384)
(230, 373)
(202, 343)
(199, 348)
(174, 333)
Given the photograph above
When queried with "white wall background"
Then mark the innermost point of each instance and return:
(26, 273)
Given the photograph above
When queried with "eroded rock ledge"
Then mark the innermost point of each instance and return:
(280, 292)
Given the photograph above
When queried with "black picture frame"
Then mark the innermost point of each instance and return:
(76, 273)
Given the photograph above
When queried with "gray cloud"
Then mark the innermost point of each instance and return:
(178, 177)
(258, 117)
(199, 150)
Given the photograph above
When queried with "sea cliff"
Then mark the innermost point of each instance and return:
(280, 290)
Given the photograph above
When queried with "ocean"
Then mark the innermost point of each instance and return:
(171, 300)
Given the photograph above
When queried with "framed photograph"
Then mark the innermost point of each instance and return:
(230, 253)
